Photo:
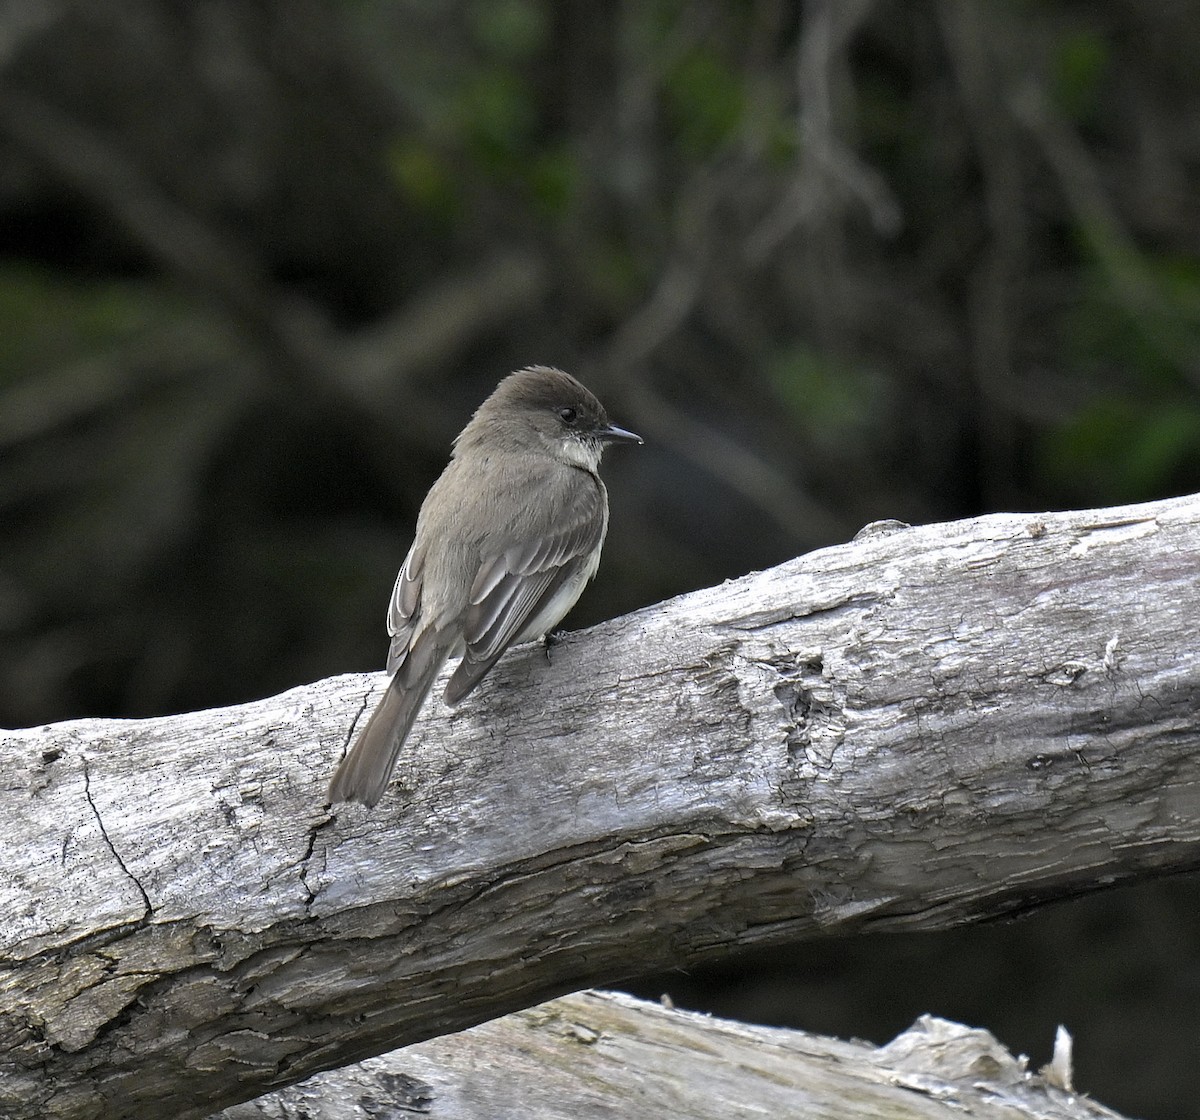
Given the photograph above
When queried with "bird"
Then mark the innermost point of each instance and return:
(507, 538)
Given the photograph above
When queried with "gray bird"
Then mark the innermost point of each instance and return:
(507, 539)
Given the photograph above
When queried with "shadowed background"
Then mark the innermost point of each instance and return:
(836, 261)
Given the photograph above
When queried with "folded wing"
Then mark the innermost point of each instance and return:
(402, 609)
(519, 586)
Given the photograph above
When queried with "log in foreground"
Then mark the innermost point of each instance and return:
(596, 1055)
(923, 727)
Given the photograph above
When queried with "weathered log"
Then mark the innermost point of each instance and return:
(596, 1055)
(923, 727)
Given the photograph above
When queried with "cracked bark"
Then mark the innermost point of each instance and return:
(923, 727)
(87, 795)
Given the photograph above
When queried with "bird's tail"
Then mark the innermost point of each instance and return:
(364, 772)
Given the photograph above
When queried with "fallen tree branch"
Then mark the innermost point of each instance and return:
(921, 728)
(596, 1055)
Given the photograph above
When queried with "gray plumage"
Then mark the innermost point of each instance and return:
(507, 538)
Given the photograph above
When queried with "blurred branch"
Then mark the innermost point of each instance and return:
(189, 249)
(828, 168)
(708, 446)
(38, 406)
(925, 727)
(442, 321)
(23, 20)
(1100, 224)
(712, 449)
(656, 320)
(434, 328)
(973, 38)
(646, 52)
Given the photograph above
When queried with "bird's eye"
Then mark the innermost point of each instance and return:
(568, 415)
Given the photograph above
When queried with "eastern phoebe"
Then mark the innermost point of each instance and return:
(507, 538)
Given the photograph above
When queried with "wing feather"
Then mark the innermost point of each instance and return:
(513, 588)
(402, 607)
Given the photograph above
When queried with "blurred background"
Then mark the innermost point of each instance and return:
(837, 261)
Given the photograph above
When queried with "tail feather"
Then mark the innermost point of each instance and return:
(364, 772)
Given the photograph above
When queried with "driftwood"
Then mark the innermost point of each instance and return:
(597, 1055)
(923, 727)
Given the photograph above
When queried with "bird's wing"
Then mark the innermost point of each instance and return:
(512, 588)
(402, 609)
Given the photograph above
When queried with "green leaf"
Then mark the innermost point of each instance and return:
(425, 178)
(705, 100)
(511, 29)
(1128, 450)
(830, 399)
(1079, 69)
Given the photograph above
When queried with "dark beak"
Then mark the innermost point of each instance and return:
(613, 434)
